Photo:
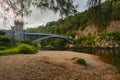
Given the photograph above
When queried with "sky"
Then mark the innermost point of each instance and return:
(37, 18)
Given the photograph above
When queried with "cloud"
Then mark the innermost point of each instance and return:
(37, 18)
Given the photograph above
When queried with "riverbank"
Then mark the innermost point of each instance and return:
(54, 65)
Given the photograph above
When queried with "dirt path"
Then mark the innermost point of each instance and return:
(54, 65)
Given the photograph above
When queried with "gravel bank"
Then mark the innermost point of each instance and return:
(54, 65)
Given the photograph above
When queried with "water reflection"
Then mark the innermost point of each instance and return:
(99, 51)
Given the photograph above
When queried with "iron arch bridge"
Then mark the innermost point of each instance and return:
(34, 37)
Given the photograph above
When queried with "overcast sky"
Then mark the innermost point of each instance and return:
(37, 18)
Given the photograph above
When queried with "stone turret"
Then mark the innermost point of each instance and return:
(18, 30)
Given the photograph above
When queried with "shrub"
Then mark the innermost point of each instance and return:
(2, 48)
(103, 35)
(4, 42)
(85, 41)
(27, 49)
(21, 48)
(4, 39)
(59, 43)
(79, 61)
(55, 43)
(116, 36)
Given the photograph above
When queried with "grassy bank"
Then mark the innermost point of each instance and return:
(20, 48)
(7, 48)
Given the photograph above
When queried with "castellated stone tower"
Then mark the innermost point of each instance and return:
(18, 30)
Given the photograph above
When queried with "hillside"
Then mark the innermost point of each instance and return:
(71, 25)
(95, 27)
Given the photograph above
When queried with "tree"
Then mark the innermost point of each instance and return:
(116, 7)
(95, 11)
(15, 10)
(20, 8)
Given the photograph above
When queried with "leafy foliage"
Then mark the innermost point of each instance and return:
(4, 42)
(103, 35)
(116, 37)
(66, 26)
(21, 8)
(85, 41)
(54, 43)
(20, 48)
(7, 48)
(71, 25)
(110, 10)
(27, 49)
(103, 39)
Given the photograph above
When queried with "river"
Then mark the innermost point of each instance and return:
(108, 55)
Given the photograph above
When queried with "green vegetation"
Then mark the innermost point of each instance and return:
(53, 43)
(85, 41)
(71, 25)
(103, 14)
(116, 37)
(7, 48)
(98, 15)
(79, 61)
(4, 43)
(19, 49)
(110, 11)
(104, 39)
(67, 26)
(27, 49)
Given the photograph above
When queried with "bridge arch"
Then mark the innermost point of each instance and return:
(67, 39)
(41, 36)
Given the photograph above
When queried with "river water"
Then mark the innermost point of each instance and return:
(108, 55)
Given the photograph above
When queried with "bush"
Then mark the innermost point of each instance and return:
(27, 49)
(85, 41)
(116, 36)
(21, 48)
(79, 61)
(4, 39)
(59, 43)
(103, 35)
(4, 42)
(54, 43)
(2, 48)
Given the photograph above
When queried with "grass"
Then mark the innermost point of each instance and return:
(80, 61)
(19, 49)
